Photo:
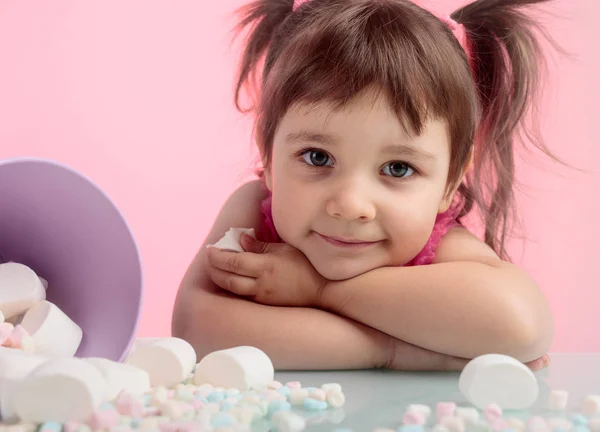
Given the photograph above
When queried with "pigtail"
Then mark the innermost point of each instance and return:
(264, 17)
(507, 64)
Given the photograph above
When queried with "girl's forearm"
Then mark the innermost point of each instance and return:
(294, 338)
(462, 309)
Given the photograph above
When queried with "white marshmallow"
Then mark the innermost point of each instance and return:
(500, 379)
(168, 361)
(558, 399)
(469, 415)
(20, 289)
(2, 319)
(53, 332)
(231, 240)
(420, 409)
(288, 421)
(44, 283)
(15, 365)
(61, 389)
(121, 377)
(241, 367)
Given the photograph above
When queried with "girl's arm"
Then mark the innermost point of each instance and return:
(467, 303)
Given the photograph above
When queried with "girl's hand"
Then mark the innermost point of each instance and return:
(274, 274)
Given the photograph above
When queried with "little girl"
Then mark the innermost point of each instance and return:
(381, 125)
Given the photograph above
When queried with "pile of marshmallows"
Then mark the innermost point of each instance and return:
(160, 386)
(27, 321)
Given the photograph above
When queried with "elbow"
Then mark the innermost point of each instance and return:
(532, 327)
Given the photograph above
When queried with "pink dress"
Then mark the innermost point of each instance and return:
(443, 223)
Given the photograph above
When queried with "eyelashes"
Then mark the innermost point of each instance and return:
(320, 159)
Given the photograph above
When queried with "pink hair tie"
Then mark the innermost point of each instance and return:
(298, 3)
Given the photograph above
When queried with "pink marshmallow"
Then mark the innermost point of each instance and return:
(197, 404)
(71, 426)
(492, 412)
(104, 419)
(275, 385)
(414, 418)
(129, 405)
(445, 409)
(294, 385)
(6, 330)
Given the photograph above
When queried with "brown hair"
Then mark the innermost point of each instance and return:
(331, 50)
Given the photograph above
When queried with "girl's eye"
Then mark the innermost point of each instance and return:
(316, 158)
(398, 169)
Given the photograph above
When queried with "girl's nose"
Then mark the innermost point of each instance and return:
(351, 203)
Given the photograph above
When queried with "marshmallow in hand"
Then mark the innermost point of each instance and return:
(231, 241)
(20, 289)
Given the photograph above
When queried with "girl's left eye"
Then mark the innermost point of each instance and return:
(398, 170)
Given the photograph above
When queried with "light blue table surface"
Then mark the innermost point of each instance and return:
(378, 398)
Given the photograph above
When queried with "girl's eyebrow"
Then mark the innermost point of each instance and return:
(331, 140)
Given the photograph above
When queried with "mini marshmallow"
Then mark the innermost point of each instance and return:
(558, 399)
(414, 418)
(231, 240)
(560, 423)
(121, 377)
(591, 405)
(6, 330)
(288, 421)
(52, 331)
(168, 361)
(517, 424)
(425, 409)
(469, 415)
(61, 389)
(241, 367)
(492, 412)
(336, 398)
(500, 379)
(594, 425)
(297, 396)
(20, 289)
(20, 339)
(445, 409)
(452, 423)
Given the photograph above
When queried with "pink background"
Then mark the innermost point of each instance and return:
(137, 95)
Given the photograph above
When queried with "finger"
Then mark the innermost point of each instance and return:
(240, 263)
(236, 284)
(250, 244)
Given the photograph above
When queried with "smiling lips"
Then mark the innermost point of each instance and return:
(347, 242)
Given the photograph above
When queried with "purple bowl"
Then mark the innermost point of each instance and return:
(66, 229)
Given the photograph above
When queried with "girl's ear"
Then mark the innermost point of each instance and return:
(267, 174)
(449, 197)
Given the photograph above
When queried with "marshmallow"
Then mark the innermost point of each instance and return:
(61, 389)
(591, 405)
(241, 367)
(499, 379)
(168, 361)
(231, 240)
(288, 421)
(121, 377)
(2, 319)
(469, 415)
(44, 283)
(558, 400)
(20, 339)
(419, 408)
(20, 289)
(53, 332)
(15, 365)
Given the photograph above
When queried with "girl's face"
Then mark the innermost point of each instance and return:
(352, 190)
